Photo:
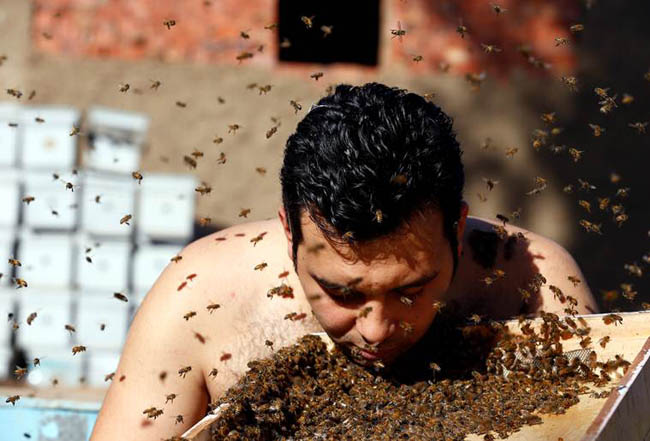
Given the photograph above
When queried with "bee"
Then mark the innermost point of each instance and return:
(365, 311)
(124, 87)
(77, 349)
(109, 377)
(327, 30)
(603, 341)
(585, 342)
(260, 170)
(475, 79)
(182, 285)
(571, 83)
(31, 317)
(584, 185)
(225, 356)
(176, 258)
(36, 361)
(232, 128)
(623, 192)
(120, 296)
(548, 118)
(577, 28)
(639, 126)
(399, 179)
(20, 372)
(285, 44)
(212, 307)
(633, 269)
(481, 197)
(498, 273)
(28, 199)
(179, 419)
(222, 158)
(271, 131)
(316, 75)
(590, 227)
(169, 23)
(598, 130)
(213, 373)
(191, 277)
(155, 413)
(490, 49)
(379, 216)
(126, 219)
(137, 176)
(70, 328)
(501, 231)
(20, 283)
(283, 274)
(155, 84)
(15, 93)
(14, 262)
(191, 162)
(561, 41)
(183, 371)
(296, 106)
(260, 266)
(488, 280)
(244, 34)
(102, 326)
(490, 183)
(627, 99)
(12, 399)
(475, 318)
(308, 21)
(181, 104)
(271, 26)
(406, 327)
(205, 221)
(269, 343)
(399, 32)
(244, 212)
(203, 189)
(511, 152)
(462, 30)
(586, 205)
(621, 219)
(170, 398)
(645, 306)
(257, 238)
(612, 318)
(437, 305)
(574, 280)
(196, 154)
(265, 89)
(75, 131)
(407, 301)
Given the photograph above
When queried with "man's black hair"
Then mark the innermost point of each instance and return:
(368, 148)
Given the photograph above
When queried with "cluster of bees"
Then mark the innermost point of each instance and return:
(467, 378)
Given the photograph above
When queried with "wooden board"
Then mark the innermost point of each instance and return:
(623, 416)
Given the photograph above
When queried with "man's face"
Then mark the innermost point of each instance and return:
(377, 299)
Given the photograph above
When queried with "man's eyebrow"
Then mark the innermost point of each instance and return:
(419, 282)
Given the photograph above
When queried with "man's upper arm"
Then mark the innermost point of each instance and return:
(557, 265)
(158, 341)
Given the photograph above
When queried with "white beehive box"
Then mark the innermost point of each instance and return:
(46, 260)
(92, 312)
(116, 199)
(55, 206)
(53, 309)
(48, 145)
(148, 263)
(56, 362)
(100, 364)
(115, 142)
(9, 197)
(166, 209)
(6, 250)
(9, 113)
(109, 267)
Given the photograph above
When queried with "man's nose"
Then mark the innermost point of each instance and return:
(376, 326)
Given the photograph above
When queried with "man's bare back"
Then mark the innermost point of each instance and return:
(226, 338)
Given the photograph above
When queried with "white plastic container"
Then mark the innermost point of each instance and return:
(46, 260)
(116, 200)
(109, 267)
(149, 261)
(53, 309)
(6, 250)
(55, 206)
(92, 312)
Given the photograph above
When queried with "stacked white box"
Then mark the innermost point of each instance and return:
(56, 362)
(108, 270)
(9, 114)
(116, 139)
(100, 364)
(46, 260)
(9, 197)
(116, 200)
(55, 206)
(6, 251)
(167, 207)
(148, 263)
(92, 312)
(53, 309)
(48, 145)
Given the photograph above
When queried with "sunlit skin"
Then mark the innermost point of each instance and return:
(388, 267)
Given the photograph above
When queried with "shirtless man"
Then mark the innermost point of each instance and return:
(371, 235)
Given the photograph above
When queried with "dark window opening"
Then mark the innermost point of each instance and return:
(354, 36)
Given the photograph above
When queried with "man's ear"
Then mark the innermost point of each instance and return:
(462, 221)
(282, 214)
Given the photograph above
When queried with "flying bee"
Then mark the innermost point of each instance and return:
(590, 227)
(183, 371)
(270, 132)
(499, 273)
(577, 28)
(511, 152)
(169, 23)
(155, 84)
(232, 128)
(571, 83)
(327, 30)
(296, 106)
(31, 317)
(639, 126)
(574, 280)
(316, 75)
(488, 280)
(196, 154)
(15, 93)
(170, 398)
(490, 183)
(12, 399)
(598, 130)
(586, 205)
(475, 79)
(70, 328)
(191, 277)
(203, 189)
(417, 59)
(179, 419)
(77, 349)
(500, 231)
(244, 34)
(633, 269)
(213, 373)
(222, 158)
(286, 43)
(308, 21)
(20, 283)
(120, 296)
(126, 219)
(462, 30)
(20, 372)
(260, 170)
(243, 56)
(271, 26)
(490, 49)
(176, 258)
(627, 99)
(182, 285)
(438, 305)
(137, 176)
(155, 413)
(406, 327)
(379, 216)
(265, 89)
(75, 131)
(399, 32)
(612, 318)
(260, 266)
(548, 118)
(497, 9)
(244, 212)
(584, 185)
(124, 87)
(14, 262)
(257, 238)
(620, 219)
(561, 41)
(283, 274)
(212, 307)
(475, 318)
(365, 311)
(28, 199)
(225, 356)
(406, 300)
(191, 162)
